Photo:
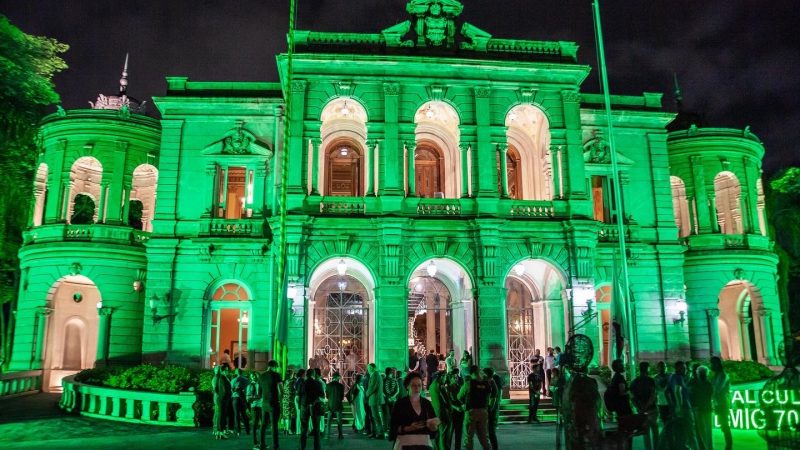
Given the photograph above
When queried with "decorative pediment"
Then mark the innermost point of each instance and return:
(435, 19)
(598, 151)
(239, 141)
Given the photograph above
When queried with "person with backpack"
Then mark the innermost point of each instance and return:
(239, 398)
(477, 395)
(534, 390)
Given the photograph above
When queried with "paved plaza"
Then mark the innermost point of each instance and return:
(34, 422)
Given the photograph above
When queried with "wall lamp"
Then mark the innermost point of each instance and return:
(138, 281)
(588, 311)
(158, 304)
(681, 319)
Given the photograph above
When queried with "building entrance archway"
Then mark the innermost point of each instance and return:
(440, 308)
(229, 326)
(72, 329)
(535, 316)
(743, 332)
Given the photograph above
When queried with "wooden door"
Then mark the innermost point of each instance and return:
(427, 173)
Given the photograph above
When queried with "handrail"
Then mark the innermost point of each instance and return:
(127, 406)
(13, 384)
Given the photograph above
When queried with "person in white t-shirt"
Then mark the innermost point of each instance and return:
(549, 364)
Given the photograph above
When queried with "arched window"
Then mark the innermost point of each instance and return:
(727, 193)
(40, 194)
(83, 210)
(680, 207)
(85, 177)
(343, 164)
(143, 197)
(513, 174)
(437, 136)
(429, 171)
(343, 170)
(528, 133)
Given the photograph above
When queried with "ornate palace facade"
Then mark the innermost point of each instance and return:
(446, 189)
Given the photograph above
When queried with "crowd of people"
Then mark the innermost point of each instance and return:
(445, 404)
(670, 410)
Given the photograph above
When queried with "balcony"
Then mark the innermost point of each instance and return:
(533, 209)
(609, 232)
(710, 242)
(439, 207)
(99, 232)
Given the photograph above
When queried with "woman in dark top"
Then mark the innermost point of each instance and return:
(616, 397)
(413, 420)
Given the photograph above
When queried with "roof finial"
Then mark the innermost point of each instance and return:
(123, 82)
(678, 94)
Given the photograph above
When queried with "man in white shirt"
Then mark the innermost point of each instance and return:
(549, 364)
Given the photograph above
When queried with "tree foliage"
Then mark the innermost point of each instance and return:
(27, 66)
(783, 205)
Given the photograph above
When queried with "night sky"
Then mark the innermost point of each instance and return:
(738, 61)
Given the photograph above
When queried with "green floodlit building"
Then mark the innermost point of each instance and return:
(446, 189)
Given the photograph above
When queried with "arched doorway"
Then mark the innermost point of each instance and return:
(86, 195)
(535, 315)
(341, 317)
(521, 341)
(743, 333)
(440, 308)
(340, 327)
(229, 325)
(603, 300)
(430, 317)
(72, 329)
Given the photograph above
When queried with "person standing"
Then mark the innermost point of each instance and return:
(225, 360)
(356, 398)
(494, 405)
(335, 395)
(534, 390)
(643, 390)
(721, 397)
(450, 361)
(221, 388)
(288, 411)
(437, 393)
(701, 391)
(662, 381)
(432, 363)
(465, 364)
(617, 397)
(682, 418)
(375, 400)
(297, 383)
(239, 399)
(549, 363)
(271, 392)
(456, 406)
(477, 396)
(312, 398)
(391, 390)
(413, 419)
(254, 399)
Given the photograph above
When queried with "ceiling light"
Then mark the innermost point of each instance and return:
(431, 269)
(341, 267)
(519, 269)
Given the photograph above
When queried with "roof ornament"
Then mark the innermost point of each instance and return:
(122, 102)
(678, 93)
(435, 21)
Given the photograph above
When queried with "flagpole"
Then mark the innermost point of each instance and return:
(631, 349)
(280, 349)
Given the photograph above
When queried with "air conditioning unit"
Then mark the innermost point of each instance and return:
(438, 195)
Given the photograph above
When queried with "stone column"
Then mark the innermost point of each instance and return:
(503, 151)
(704, 222)
(744, 338)
(491, 324)
(487, 169)
(430, 323)
(297, 91)
(368, 170)
(444, 333)
(313, 166)
(391, 181)
(103, 334)
(764, 318)
(412, 181)
(391, 333)
(126, 205)
(713, 331)
(40, 324)
(465, 178)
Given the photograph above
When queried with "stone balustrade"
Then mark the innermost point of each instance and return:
(99, 232)
(128, 406)
(13, 384)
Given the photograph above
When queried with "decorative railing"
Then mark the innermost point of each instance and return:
(98, 232)
(610, 233)
(717, 241)
(19, 383)
(532, 209)
(236, 227)
(127, 406)
(343, 206)
(439, 207)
